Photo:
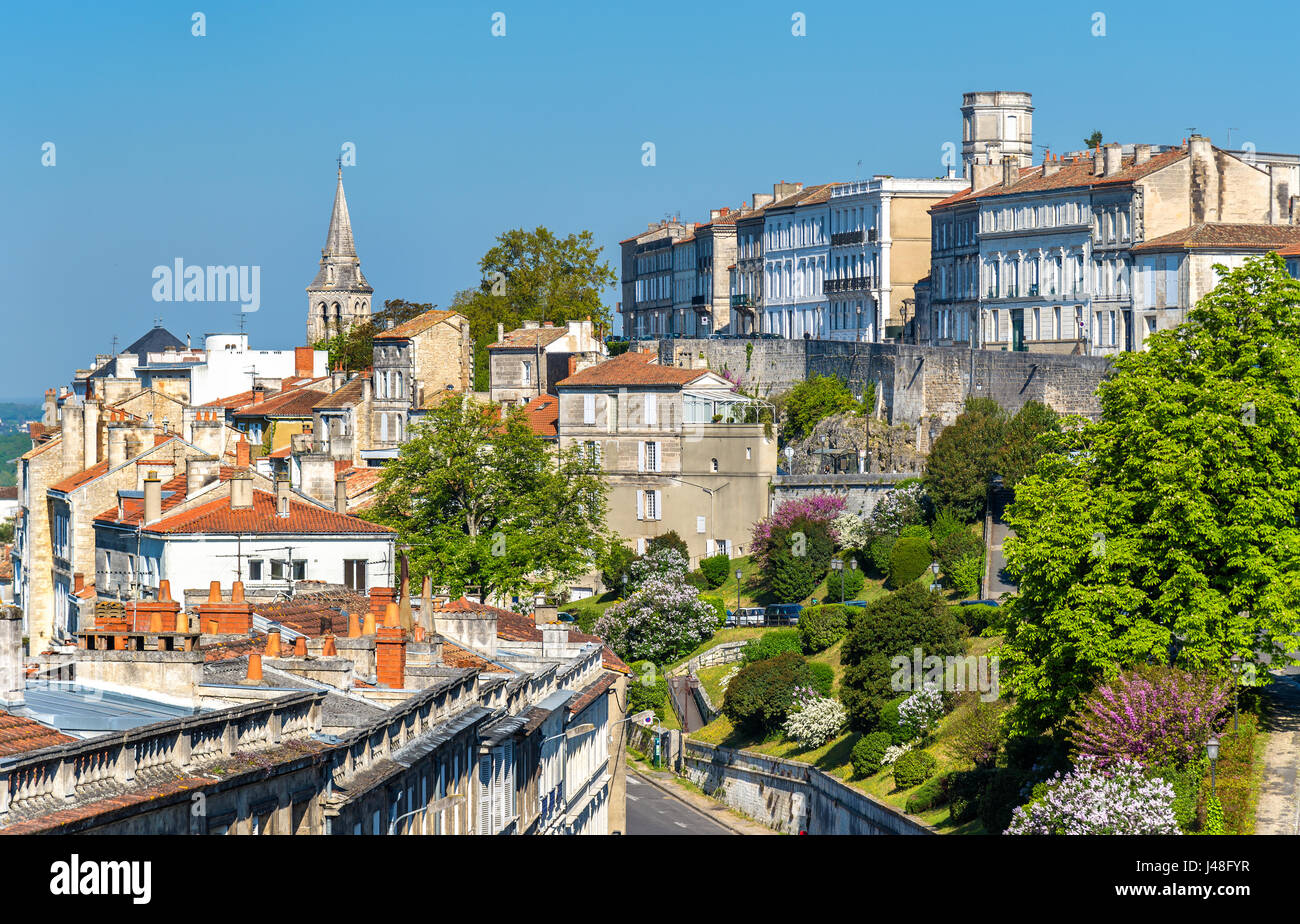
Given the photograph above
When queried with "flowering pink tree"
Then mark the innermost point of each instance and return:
(1153, 716)
(1091, 799)
(819, 508)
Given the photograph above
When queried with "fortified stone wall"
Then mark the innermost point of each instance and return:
(917, 385)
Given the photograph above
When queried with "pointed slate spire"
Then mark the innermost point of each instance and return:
(339, 241)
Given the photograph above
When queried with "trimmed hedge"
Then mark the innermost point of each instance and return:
(878, 553)
(975, 617)
(772, 643)
(889, 722)
(915, 531)
(822, 626)
(913, 769)
(932, 793)
(716, 569)
(908, 560)
(869, 752)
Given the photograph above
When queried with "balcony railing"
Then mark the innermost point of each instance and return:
(742, 302)
(846, 237)
(849, 284)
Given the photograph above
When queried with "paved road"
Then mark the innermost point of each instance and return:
(1278, 811)
(650, 811)
(997, 583)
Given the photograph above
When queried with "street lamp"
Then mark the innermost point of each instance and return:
(837, 564)
(1212, 750)
(1235, 663)
(934, 569)
(738, 574)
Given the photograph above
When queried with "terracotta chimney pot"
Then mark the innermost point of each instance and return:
(328, 648)
(255, 666)
(273, 643)
(214, 592)
(300, 647)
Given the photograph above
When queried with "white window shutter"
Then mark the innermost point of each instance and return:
(651, 410)
(589, 409)
(640, 546)
(485, 794)
(600, 452)
(659, 505)
(640, 505)
(640, 456)
(708, 548)
(699, 528)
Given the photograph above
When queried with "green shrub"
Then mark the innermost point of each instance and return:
(697, 580)
(869, 752)
(878, 553)
(716, 569)
(647, 689)
(965, 789)
(913, 769)
(889, 724)
(1213, 816)
(850, 579)
(669, 540)
(823, 677)
(915, 531)
(955, 546)
(967, 574)
(822, 626)
(797, 559)
(614, 567)
(976, 617)
(1186, 782)
(1001, 797)
(772, 643)
(932, 793)
(759, 697)
(945, 524)
(908, 560)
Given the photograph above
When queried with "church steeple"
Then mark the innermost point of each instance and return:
(339, 296)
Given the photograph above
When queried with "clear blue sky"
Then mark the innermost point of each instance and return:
(221, 149)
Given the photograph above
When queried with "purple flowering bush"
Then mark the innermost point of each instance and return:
(1153, 716)
(1092, 799)
(662, 617)
(817, 508)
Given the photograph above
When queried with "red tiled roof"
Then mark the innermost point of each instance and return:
(544, 416)
(228, 649)
(19, 735)
(346, 395)
(417, 325)
(529, 337)
(72, 482)
(633, 369)
(454, 655)
(1225, 236)
(295, 403)
(590, 693)
(313, 614)
(513, 627)
(217, 517)
(173, 495)
(1072, 174)
(43, 447)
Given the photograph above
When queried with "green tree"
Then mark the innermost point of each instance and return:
(797, 559)
(485, 505)
(964, 457)
(1167, 532)
(1027, 438)
(812, 400)
(1093, 140)
(534, 275)
(669, 540)
(887, 627)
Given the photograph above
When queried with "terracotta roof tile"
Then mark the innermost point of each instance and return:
(173, 495)
(633, 369)
(346, 395)
(217, 517)
(73, 482)
(529, 337)
(295, 403)
(19, 735)
(454, 655)
(1218, 236)
(544, 416)
(417, 325)
(314, 613)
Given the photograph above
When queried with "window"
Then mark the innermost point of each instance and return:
(652, 511)
(281, 569)
(528, 373)
(714, 464)
(589, 409)
(354, 573)
(700, 524)
(651, 456)
(593, 452)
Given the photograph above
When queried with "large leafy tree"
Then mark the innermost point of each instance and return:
(534, 275)
(1027, 438)
(964, 457)
(486, 506)
(812, 400)
(1166, 532)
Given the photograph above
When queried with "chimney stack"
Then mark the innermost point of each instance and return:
(1141, 153)
(390, 653)
(152, 497)
(243, 453)
(1010, 173)
(273, 642)
(300, 647)
(13, 680)
(341, 494)
(255, 668)
(200, 472)
(241, 491)
(1098, 162)
(282, 496)
(1112, 159)
(501, 332)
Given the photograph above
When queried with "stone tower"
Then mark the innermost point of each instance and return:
(996, 126)
(339, 296)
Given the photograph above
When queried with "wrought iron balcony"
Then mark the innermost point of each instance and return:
(846, 237)
(849, 284)
(742, 302)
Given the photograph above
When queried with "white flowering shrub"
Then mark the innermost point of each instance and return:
(1091, 799)
(853, 531)
(818, 720)
(662, 618)
(920, 712)
(894, 752)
